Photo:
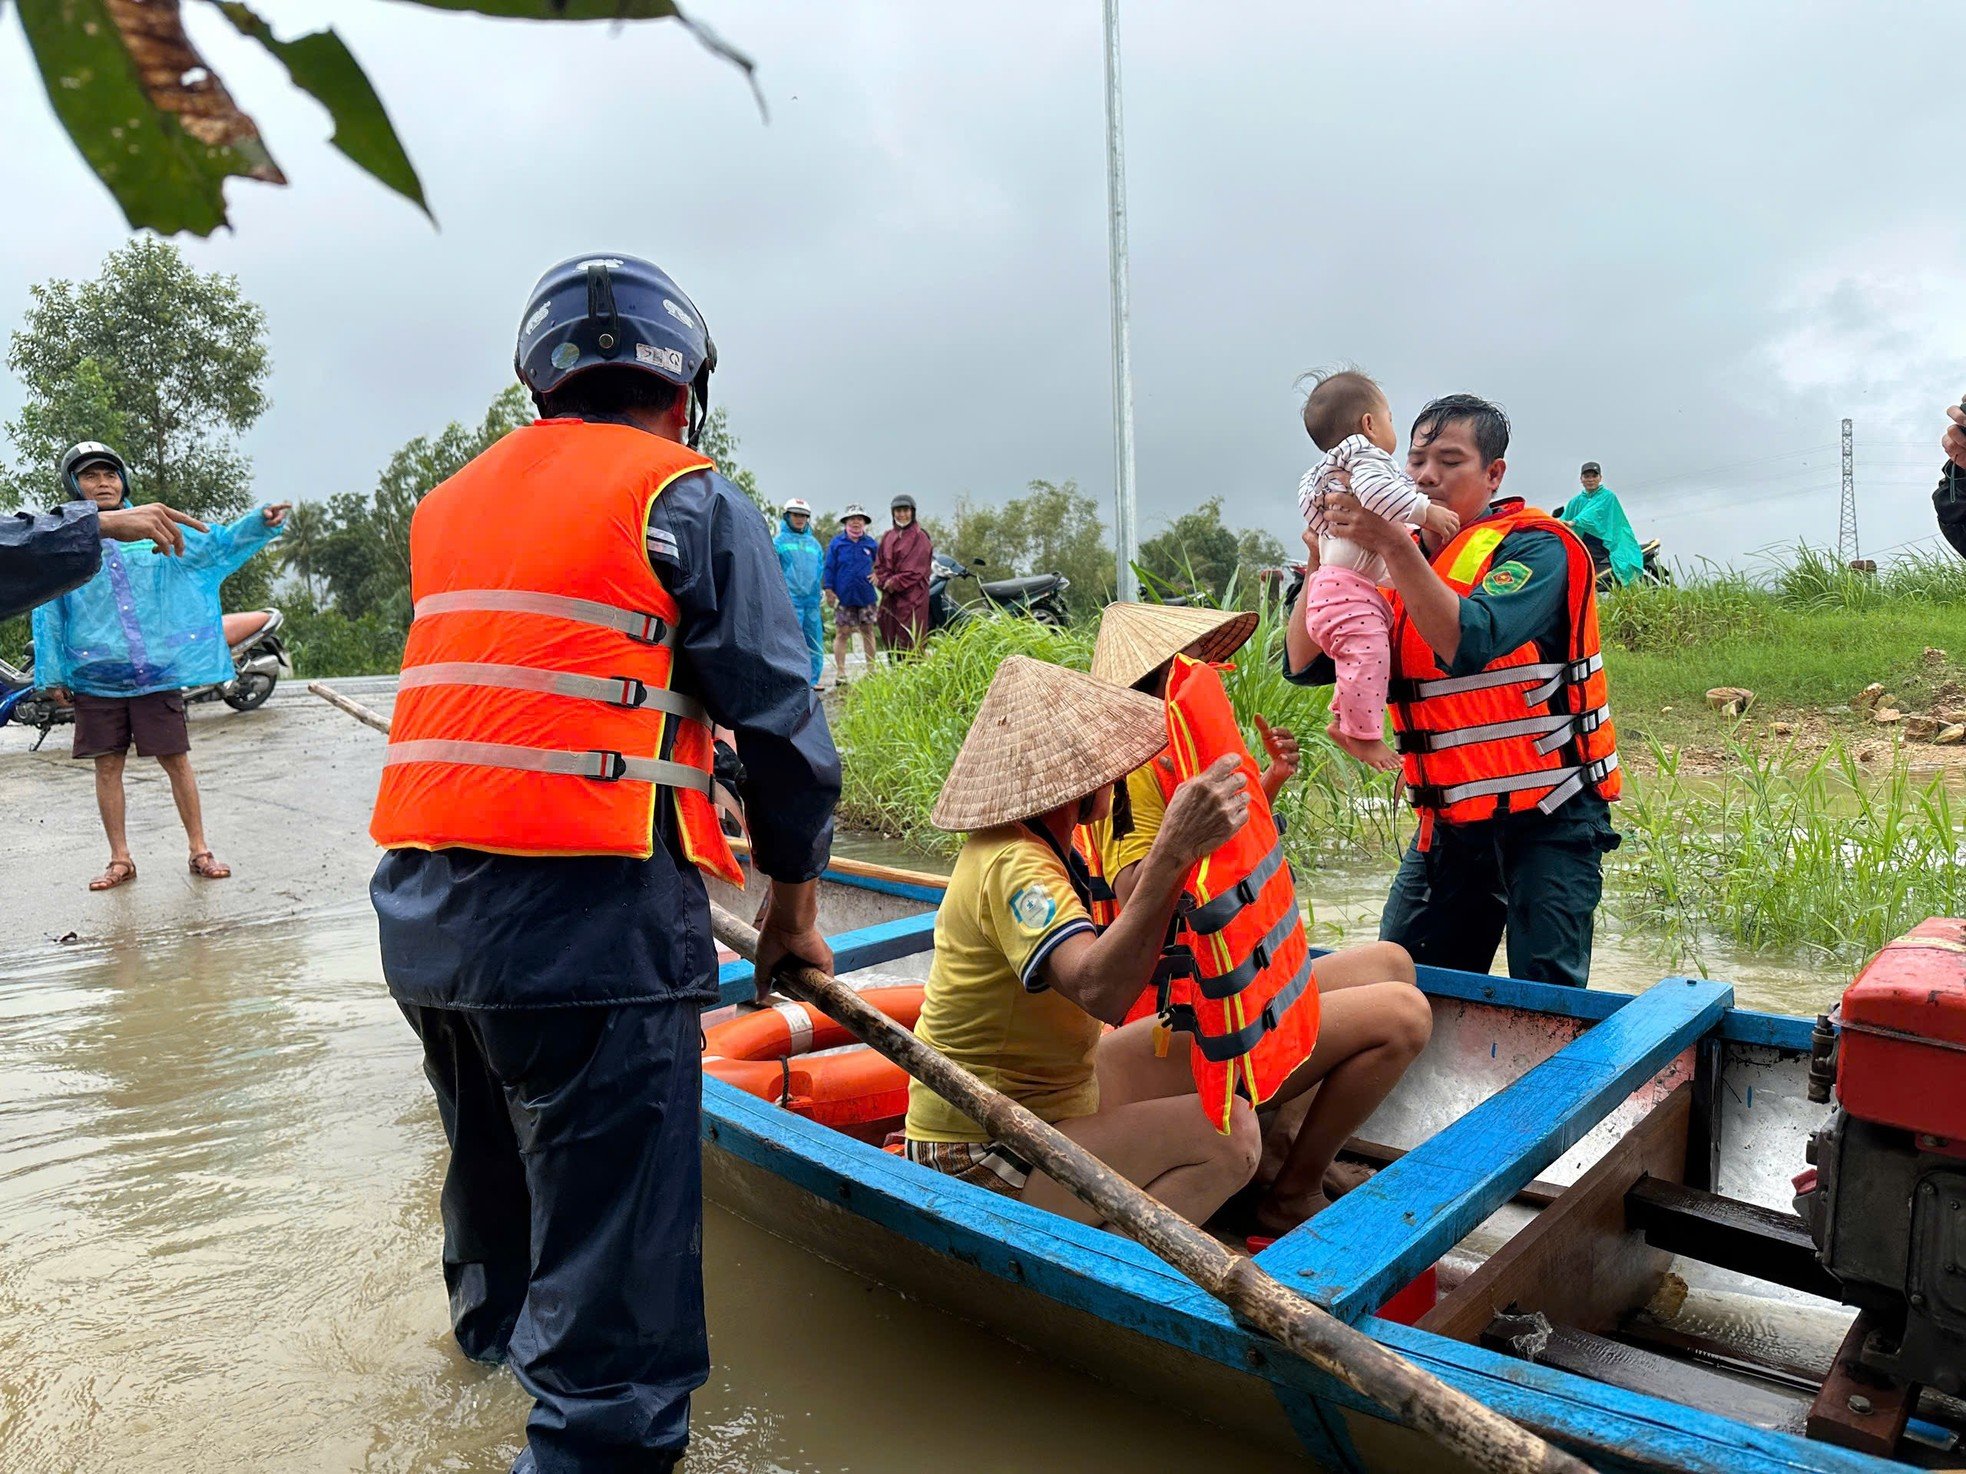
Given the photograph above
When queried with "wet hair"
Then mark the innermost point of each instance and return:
(1338, 400)
(1489, 426)
(608, 392)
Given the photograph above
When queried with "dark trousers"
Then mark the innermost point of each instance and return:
(573, 1219)
(1540, 878)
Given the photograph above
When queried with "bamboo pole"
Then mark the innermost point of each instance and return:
(1478, 1434)
(1422, 1401)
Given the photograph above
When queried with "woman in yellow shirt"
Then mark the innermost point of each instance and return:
(1374, 1020)
(1022, 984)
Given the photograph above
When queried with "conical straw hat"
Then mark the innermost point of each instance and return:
(1044, 737)
(1137, 639)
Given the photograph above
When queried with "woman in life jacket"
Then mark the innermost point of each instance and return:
(1374, 1020)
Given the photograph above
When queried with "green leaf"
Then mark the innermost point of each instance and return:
(149, 117)
(322, 66)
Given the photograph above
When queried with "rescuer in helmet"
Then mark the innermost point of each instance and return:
(590, 597)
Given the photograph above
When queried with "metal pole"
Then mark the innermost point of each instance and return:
(1125, 537)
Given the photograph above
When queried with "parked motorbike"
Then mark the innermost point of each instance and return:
(1039, 596)
(259, 658)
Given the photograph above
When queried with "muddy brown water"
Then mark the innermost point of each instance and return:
(219, 1167)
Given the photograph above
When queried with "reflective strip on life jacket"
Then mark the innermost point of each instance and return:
(623, 691)
(596, 763)
(643, 628)
(1551, 731)
(1568, 781)
(1220, 1048)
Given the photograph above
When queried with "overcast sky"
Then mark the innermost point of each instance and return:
(1684, 240)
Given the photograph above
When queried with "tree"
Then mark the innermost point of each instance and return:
(299, 550)
(1053, 528)
(163, 362)
(161, 131)
(720, 444)
(364, 556)
(1198, 554)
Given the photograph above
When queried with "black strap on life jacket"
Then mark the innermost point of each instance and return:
(1244, 973)
(1218, 913)
(1221, 1048)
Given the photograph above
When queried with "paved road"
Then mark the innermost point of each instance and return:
(287, 791)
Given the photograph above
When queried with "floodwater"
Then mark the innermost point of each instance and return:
(219, 1167)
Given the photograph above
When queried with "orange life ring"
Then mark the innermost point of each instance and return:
(773, 1053)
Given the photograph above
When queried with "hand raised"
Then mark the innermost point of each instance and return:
(1206, 811)
(1955, 438)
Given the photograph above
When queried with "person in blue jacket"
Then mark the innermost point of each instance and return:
(124, 645)
(849, 581)
(45, 554)
(799, 557)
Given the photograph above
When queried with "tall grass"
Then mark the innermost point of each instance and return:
(1780, 853)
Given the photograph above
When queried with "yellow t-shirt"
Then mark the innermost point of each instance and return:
(1149, 809)
(1009, 904)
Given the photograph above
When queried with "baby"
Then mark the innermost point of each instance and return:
(1349, 419)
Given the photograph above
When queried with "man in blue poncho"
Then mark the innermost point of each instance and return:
(1598, 518)
(799, 558)
(125, 644)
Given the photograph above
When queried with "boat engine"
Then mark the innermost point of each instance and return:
(1885, 1200)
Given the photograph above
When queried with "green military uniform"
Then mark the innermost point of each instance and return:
(1540, 876)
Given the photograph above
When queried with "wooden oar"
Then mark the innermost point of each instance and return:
(354, 708)
(1479, 1434)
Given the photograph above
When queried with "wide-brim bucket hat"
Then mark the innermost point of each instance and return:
(1045, 736)
(1137, 639)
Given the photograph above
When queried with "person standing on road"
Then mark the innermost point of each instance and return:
(901, 573)
(849, 580)
(546, 808)
(1500, 703)
(124, 645)
(1598, 518)
(799, 558)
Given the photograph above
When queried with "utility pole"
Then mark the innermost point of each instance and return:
(1846, 527)
(1125, 538)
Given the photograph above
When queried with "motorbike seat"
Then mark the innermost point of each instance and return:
(1021, 588)
(246, 624)
(1649, 549)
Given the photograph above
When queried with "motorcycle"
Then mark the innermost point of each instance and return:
(1039, 596)
(1654, 570)
(259, 658)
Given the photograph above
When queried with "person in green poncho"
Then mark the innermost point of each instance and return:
(1598, 518)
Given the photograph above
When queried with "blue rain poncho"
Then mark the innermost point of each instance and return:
(1601, 515)
(148, 621)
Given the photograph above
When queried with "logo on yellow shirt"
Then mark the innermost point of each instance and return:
(1033, 908)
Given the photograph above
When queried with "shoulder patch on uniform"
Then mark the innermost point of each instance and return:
(1033, 908)
(1506, 578)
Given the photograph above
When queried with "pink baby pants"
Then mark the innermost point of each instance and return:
(1353, 624)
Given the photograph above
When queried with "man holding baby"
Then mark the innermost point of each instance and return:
(1498, 703)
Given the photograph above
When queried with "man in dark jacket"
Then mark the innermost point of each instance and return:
(1950, 499)
(45, 555)
(556, 990)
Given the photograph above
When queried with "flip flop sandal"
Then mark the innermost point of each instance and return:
(206, 867)
(119, 872)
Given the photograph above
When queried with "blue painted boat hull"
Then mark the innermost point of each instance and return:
(1521, 1082)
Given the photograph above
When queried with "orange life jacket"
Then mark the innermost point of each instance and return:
(1103, 903)
(1252, 1003)
(536, 714)
(1524, 731)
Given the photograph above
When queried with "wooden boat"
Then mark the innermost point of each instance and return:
(1573, 1153)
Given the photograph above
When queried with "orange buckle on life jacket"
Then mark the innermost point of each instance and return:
(1252, 1003)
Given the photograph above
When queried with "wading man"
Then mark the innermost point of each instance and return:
(590, 595)
(1499, 702)
(124, 645)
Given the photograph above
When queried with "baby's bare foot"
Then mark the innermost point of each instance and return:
(1372, 751)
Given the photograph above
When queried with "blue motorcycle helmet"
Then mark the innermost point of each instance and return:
(604, 310)
(78, 458)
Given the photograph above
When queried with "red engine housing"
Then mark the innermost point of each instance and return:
(1901, 1057)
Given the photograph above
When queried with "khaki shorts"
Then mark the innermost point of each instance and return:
(106, 724)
